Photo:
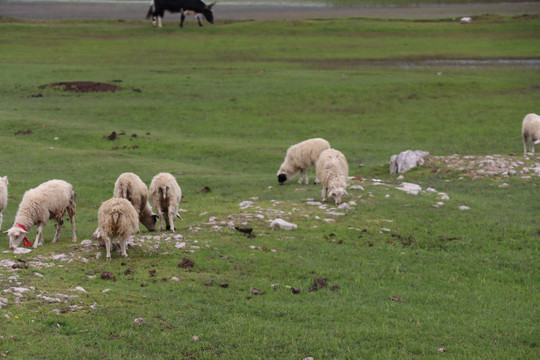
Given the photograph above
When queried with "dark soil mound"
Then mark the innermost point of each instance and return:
(83, 86)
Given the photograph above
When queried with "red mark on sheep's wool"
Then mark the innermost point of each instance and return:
(26, 243)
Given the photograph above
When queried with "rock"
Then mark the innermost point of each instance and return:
(282, 224)
(138, 321)
(21, 250)
(410, 188)
(107, 275)
(80, 288)
(465, 20)
(463, 207)
(407, 160)
(186, 263)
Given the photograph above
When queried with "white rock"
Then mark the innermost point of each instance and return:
(410, 188)
(282, 224)
(465, 20)
(463, 207)
(356, 187)
(80, 288)
(345, 206)
(245, 204)
(21, 250)
(87, 243)
(407, 160)
(138, 321)
(174, 278)
(335, 213)
(180, 245)
(314, 203)
(444, 196)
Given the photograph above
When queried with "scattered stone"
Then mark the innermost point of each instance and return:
(195, 338)
(464, 208)
(186, 263)
(282, 224)
(174, 278)
(406, 161)
(356, 187)
(21, 250)
(410, 188)
(465, 20)
(138, 321)
(441, 350)
(80, 289)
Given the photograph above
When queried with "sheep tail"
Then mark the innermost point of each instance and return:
(115, 216)
(164, 189)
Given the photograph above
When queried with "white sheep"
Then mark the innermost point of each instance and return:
(165, 194)
(3, 196)
(333, 171)
(530, 131)
(49, 200)
(130, 186)
(117, 218)
(300, 157)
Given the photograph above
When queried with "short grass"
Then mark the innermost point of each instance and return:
(218, 106)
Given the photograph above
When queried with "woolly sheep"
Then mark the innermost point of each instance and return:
(130, 186)
(300, 157)
(117, 218)
(49, 200)
(530, 131)
(165, 194)
(332, 171)
(3, 196)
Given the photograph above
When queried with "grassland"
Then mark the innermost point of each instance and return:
(217, 107)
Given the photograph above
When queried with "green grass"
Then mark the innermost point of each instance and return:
(218, 106)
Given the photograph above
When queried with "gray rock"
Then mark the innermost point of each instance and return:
(407, 160)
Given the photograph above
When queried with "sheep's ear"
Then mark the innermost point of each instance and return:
(5, 232)
(178, 216)
(537, 141)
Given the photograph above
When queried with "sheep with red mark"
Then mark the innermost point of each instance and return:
(49, 200)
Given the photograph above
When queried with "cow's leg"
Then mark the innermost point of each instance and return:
(153, 21)
(198, 19)
(182, 17)
(159, 21)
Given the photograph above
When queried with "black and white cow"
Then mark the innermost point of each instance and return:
(158, 7)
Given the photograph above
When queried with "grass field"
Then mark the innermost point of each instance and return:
(217, 107)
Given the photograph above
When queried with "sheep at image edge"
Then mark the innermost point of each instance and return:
(49, 200)
(530, 131)
(333, 171)
(117, 218)
(129, 186)
(3, 196)
(165, 194)
(300, 157)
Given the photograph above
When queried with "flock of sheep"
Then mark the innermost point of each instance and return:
(119, 217)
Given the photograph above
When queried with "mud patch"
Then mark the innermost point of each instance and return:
(82, 86)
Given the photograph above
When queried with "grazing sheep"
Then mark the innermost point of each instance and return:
(300, 157)
(333, 170)
(117, 218)
(165, 194)
(3, 196)
(49, 200)
(530, 130)
(129, 186)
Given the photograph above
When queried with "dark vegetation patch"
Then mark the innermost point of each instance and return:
(82, 86)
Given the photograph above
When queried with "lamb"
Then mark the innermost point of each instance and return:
(166, 195)
(49, 200)
(117, 218)
(130, 186)
(333, 170)
(3, 196)
(300, 157)
(530, 131)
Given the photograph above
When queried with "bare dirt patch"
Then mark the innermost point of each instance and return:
(82, 86)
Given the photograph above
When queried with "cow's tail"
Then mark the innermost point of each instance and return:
(150, 10)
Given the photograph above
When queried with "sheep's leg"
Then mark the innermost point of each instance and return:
(72, 220)
(1, 219)
(107, 241)
(158, 210)
(302, 172)
(316, 180)
(39, 235)
(525, 145)
(323, 195)
(172, 215)
(58, 229)
(123, 247)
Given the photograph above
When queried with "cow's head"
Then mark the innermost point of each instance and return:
(209, 13)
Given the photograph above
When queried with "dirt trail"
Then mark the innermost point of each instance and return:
(229, 11)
